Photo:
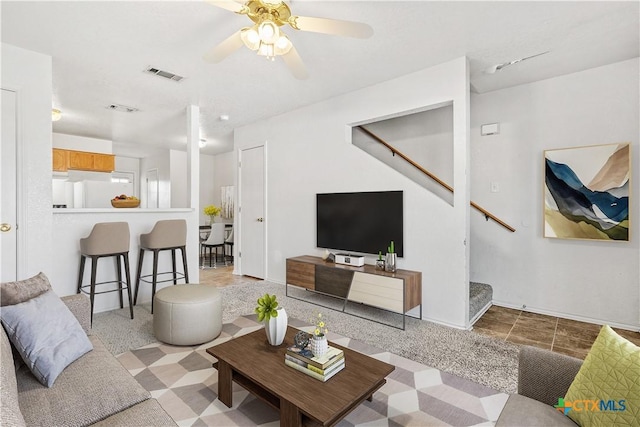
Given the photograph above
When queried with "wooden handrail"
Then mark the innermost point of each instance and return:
(488, 215)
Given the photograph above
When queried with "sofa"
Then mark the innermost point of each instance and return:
(93, 390)
(543, 377)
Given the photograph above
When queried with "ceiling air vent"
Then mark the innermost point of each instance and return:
(165, 74)
(122, 108)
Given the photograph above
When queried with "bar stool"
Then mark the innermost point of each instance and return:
(166, 235)
(107, 239)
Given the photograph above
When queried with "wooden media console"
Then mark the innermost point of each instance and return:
(397, 292)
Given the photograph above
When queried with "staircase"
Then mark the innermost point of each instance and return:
(480, 297)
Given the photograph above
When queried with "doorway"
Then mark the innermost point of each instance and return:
(252, 212)
(8, 189)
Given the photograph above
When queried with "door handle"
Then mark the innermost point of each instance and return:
(260, 220)
(4, 227)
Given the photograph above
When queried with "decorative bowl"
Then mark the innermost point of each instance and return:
(128, 203)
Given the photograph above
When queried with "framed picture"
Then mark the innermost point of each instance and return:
(226, 196)
(586, 192)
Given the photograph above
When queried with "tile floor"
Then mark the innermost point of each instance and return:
(520, 327)
(551, 333)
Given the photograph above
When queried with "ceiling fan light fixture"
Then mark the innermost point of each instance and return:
(267, 50)
(268, 31)
(283, 45)
(250, 38)
(55, 115)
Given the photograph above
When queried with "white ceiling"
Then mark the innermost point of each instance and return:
(101, 49)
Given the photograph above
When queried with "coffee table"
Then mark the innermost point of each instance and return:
(259, 367)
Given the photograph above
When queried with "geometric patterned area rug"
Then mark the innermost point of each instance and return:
(184, 382)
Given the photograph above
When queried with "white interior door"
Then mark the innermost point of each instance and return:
(252, 209)
(152, 188)
(8, 190)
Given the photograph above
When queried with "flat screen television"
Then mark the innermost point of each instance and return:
(364, 222)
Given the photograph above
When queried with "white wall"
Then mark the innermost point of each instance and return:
(82, 143)
(178, 178)
(309, 151)
(585, 280)
(29, 74)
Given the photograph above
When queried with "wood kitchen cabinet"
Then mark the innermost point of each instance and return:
(60, 160)
(64, 160)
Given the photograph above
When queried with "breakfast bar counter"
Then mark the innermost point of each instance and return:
(70, 225)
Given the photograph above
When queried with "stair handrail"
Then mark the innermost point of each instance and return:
(488, 215)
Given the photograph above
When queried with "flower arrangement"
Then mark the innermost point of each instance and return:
(212, 210)
(267, 307)
(320, 326)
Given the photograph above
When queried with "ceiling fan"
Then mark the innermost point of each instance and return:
(499, 67)
(266, 37)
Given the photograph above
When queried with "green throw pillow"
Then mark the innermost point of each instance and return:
(606, 390)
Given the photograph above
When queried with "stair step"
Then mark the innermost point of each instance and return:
(480, 297)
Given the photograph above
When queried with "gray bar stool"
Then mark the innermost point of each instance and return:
(166, 235)
(107, 239)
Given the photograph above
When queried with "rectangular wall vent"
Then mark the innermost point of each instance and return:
(122, 108)
(165, 74)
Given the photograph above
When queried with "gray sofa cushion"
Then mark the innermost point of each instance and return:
(9, 408)
(522, 411)
(148, 413)
(46, 334)
(12, 293)
(89, 390)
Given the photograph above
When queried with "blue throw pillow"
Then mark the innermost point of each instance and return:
(46, 334)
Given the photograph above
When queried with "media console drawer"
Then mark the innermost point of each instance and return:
(301, 274)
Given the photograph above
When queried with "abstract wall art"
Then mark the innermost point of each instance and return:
(226, 196)
(586, 192)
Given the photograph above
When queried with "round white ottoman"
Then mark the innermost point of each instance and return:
(187, 314)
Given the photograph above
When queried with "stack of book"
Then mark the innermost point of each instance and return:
(321, 368)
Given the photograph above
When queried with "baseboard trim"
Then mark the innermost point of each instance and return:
(479, 314)
(634, 328)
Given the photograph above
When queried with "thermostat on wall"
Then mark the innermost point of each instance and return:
(490, 129)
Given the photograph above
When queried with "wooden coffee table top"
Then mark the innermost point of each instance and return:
(327, 402)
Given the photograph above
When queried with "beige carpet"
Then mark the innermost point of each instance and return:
(482, 359)
(185, 384)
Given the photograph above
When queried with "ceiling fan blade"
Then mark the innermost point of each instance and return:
(294, 63)
(331, 26)
(230, 5)
(225, 48)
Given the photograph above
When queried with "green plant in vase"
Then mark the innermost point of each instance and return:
(380, 261)
(275, 318)
(390, 264)
(267, 307)
(212, 211)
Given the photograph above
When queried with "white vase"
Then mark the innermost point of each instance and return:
(276, 327)
(318, 345)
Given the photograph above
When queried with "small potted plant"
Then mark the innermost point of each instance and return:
(380, 262)
(391, 258)
(274, 317)
(318, 343)
(212, 211)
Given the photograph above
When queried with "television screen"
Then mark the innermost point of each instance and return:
(360, 222)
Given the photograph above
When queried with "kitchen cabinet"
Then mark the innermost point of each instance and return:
(60, 160)
(64, 160)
